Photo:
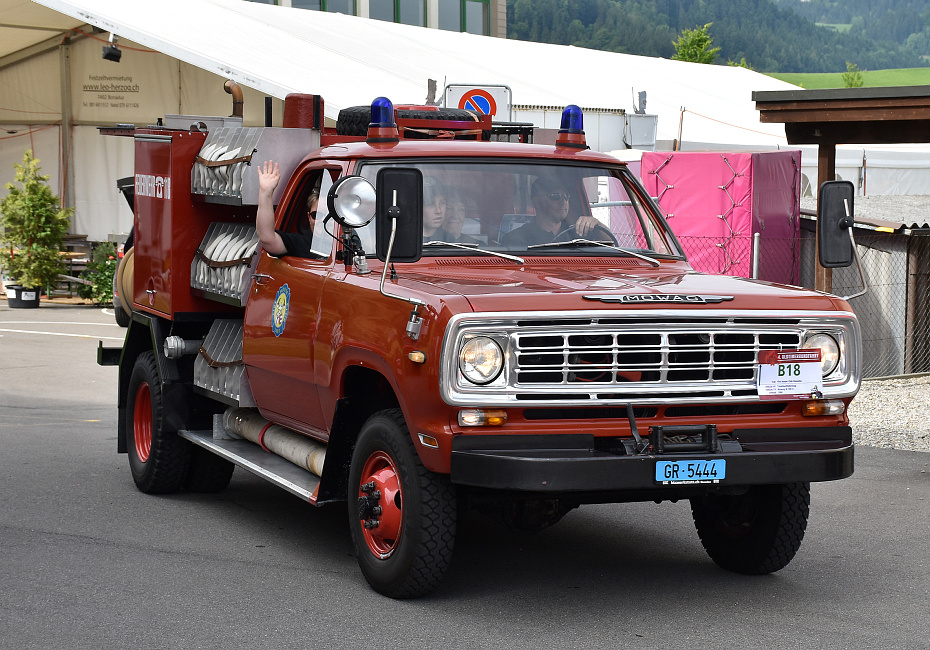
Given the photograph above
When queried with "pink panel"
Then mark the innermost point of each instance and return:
(710, 201)
(776, 210)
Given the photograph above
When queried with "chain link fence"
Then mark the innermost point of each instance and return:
(893, 313)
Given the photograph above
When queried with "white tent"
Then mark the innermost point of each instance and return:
(173, 48)
(350, 60)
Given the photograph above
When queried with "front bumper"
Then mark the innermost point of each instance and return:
(574, 463)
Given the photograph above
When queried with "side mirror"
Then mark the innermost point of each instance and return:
(400, 212)
(834, 220)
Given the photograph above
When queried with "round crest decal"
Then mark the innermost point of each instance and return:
(282, 302)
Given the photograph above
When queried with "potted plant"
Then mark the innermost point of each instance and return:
(33, 224)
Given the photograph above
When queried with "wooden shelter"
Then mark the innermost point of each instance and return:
(892, 115)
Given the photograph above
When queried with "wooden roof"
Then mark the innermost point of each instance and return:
(849, 115)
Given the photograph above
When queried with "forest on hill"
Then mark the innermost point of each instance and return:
(770, 37)
(905, 22)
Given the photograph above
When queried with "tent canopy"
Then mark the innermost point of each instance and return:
(350, 60)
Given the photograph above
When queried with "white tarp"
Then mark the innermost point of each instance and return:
(350, 61)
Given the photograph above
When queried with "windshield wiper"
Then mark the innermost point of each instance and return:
(591, 242)
(474, 247)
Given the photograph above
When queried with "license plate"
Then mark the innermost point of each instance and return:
(689, 472)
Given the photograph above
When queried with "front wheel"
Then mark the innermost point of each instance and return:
(158, 459)
(756, 532)
(402, 517)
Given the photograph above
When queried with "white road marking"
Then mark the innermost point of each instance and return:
(79, 336)
(51, 322)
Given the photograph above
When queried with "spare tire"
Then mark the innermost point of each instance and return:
(124, 277)
(354, 120)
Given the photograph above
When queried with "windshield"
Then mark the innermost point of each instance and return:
(526, 206)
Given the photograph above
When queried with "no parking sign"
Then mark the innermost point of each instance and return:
(484, 100)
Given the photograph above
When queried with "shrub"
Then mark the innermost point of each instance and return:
(99, 273)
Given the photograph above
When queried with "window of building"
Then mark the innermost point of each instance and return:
(307, 4)
(339, 6)
(476, 17)
(470, 16)
(408, 12)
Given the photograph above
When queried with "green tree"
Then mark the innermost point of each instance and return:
(33, 224)
(852, 78)
(739, 64)
(695, 45)
(100, 272)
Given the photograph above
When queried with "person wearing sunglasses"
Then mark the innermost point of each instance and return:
(551, 202)
(279, 242)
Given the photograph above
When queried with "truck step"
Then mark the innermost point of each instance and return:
(253, 458)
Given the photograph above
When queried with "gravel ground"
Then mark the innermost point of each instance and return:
(909, 209)
(893, 413)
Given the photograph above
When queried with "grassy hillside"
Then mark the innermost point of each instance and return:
(872, 78)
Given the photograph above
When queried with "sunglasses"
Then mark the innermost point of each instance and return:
(556, 196)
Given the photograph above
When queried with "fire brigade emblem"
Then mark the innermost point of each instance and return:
(282, 302)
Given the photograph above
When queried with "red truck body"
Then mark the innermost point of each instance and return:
(613, 366)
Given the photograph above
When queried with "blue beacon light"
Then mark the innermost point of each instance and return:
(382, 112)
(571, 133)
(382, 128)
(572, 120)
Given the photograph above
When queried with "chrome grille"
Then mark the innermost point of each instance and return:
(618, 357)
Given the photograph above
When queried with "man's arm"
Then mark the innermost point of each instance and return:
(268, 178)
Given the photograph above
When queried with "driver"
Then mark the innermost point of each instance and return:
(551, 202)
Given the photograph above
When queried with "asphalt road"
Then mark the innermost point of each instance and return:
(87, 561)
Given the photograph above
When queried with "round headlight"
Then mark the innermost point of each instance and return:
(829, 351)
(481, 360)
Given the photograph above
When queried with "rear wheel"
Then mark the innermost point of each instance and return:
(158, 459)
(402, 517)
(756, 532)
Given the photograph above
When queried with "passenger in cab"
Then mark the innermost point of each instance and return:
(279, 242)
(456, 209)
(434, 210)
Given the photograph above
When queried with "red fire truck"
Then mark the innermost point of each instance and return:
(441, 345)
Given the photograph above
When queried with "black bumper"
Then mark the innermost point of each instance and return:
(573, 463)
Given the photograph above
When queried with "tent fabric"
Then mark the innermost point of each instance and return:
(350, 60)
(715, 202)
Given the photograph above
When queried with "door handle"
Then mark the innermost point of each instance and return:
(261, 278)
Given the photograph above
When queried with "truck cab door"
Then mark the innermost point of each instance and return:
(283, 314)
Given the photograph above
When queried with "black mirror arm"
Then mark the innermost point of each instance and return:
(413, 325)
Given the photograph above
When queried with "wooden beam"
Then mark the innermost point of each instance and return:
(826, 171)
(859, 132)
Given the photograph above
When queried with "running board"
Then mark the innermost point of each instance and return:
(253, 458)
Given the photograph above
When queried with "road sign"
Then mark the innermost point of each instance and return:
(484, 100)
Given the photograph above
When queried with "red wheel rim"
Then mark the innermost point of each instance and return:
(142, 422)
(381, 473)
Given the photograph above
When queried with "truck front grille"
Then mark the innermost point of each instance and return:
(604, 358)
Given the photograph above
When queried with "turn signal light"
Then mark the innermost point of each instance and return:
(482, 417)
(823, 407)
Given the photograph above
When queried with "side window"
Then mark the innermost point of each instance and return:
(322, 243)
(303, 223)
